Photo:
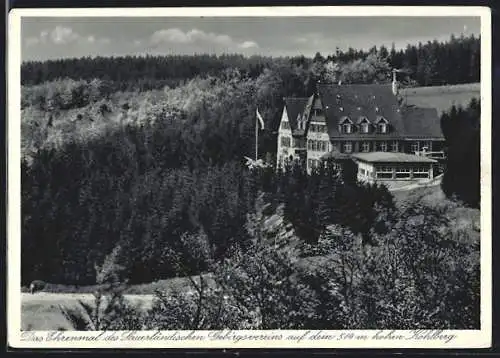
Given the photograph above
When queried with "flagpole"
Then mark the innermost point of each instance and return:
(256, 138)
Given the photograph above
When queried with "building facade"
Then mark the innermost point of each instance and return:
(394, 169)
(350, 119)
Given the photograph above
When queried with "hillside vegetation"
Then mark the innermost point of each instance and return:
(129, 183)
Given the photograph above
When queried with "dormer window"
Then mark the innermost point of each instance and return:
(364, 125)
(382, 125)
(300, 122)
(346, 125)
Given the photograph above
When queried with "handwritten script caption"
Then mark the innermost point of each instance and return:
(236, 336)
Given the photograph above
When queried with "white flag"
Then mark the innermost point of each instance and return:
(261, 120)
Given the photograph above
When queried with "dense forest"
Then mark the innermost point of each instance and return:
(137, 165)
(461, 128)
(432, 63)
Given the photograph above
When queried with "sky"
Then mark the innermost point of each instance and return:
(62, 37)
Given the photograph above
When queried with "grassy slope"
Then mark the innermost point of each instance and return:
(441, 97)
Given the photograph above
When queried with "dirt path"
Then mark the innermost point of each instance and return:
(43, 310)
(57, 298)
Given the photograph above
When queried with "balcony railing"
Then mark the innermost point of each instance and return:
(432, 155)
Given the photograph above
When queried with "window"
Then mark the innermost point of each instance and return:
(364, 125)
(285, 125)
(426, 146)
(320, 128)
(403, 173)
(394, 146)
(384, 172)
(347, 147)
(346, 128)
(421, 172)
(415, 147)
(312, 163)
(345, 125)
(365, 147)
(362, 171)
(383, 146)
(382, 125)
(317, 145)
(318, 112)
(285, 141)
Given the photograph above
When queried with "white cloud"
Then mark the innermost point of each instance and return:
(175, 35)
(62, 35)
(248, 44)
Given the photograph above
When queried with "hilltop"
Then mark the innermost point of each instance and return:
(442, 97)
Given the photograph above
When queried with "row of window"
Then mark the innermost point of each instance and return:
(320, 128)
(401, 172)
(313, 163)
(317, 145)
(343, 128)
(417, 146)
(292, 142)
(348, 128)
(285, 125)
(347, 147)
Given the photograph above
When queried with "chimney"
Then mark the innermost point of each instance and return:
(395, 89)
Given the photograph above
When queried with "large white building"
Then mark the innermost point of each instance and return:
(340, 120)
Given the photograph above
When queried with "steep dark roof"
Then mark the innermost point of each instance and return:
(371, 101)
(355, 101)
(294, 107)
(388, 157)
(422, 122)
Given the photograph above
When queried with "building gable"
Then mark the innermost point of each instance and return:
(295, 109)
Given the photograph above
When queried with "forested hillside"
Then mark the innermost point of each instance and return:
(136, 166)
(432, 63)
